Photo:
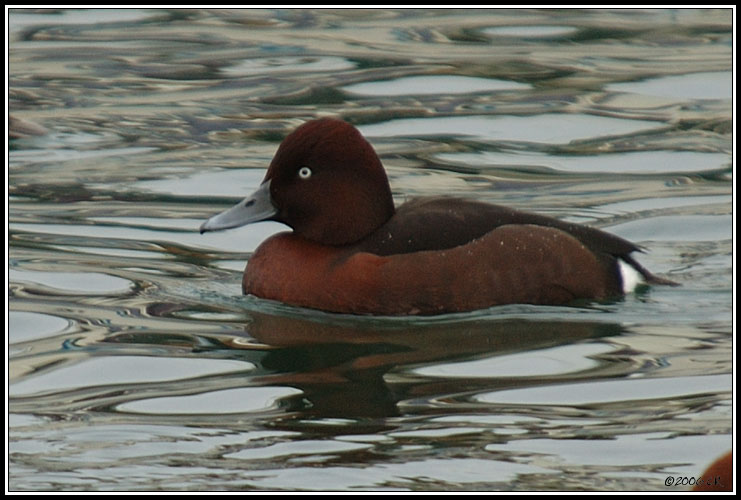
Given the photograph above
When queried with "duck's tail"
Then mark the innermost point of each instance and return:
(646, 275)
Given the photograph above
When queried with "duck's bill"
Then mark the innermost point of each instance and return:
(255, 208)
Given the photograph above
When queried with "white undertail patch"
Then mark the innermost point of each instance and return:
(629, 276)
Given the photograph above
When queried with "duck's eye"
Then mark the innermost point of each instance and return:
(304, 172)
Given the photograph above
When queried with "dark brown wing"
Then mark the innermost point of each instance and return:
(442, 223)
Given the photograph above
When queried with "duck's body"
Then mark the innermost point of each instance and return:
(352, 252)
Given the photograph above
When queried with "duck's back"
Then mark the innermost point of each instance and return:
(438, 223)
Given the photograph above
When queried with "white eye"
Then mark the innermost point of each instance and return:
(304, 172)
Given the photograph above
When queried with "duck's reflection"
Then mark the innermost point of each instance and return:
(349, 368)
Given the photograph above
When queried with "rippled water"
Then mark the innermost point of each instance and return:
(135, 364)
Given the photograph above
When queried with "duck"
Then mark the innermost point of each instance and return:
(351, 250)
(718, 476)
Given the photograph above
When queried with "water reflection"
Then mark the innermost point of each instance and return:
(336, 368)
(341, 369)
